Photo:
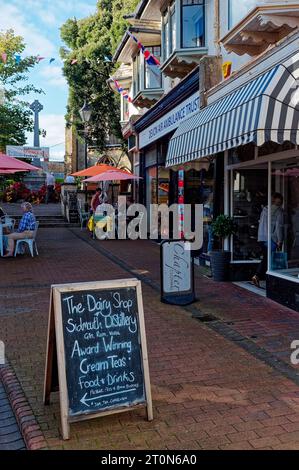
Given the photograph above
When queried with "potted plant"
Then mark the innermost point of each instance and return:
(222, 228)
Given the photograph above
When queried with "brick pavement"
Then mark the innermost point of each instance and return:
(10, 436)
(265, 323)
(208, 392)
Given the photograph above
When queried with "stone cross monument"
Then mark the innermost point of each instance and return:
(36, 107)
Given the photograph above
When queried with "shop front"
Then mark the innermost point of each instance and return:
(202, 180)
(253, 130)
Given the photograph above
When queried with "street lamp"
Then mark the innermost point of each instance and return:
(85, 114)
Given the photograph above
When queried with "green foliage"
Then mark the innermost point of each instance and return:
(223, 227)
(89, 41)
(15, 116)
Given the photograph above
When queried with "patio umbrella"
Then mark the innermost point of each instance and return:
(112, 176)
(13, 164)
(97, 170)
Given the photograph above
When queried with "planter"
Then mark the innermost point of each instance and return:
(220, 261)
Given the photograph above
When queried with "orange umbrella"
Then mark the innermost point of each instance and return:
(97, 170)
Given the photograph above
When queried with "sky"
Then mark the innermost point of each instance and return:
(39, 21)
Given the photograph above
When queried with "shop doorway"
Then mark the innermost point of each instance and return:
(271, 187)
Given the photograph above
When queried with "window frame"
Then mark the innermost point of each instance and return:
(168, 44)
(203, 5)
(145, 66)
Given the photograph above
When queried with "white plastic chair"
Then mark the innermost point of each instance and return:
(31, 242)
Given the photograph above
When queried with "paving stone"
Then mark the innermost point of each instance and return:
(208, 391)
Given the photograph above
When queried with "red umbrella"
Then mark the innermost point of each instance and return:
(112, 176)
(11, 165)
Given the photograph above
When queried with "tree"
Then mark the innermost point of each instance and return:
(90, 41)
(15, 116)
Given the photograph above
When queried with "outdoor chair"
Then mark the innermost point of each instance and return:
(83, 215)
(31, 242)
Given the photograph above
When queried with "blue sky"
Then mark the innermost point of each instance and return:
(38, 21)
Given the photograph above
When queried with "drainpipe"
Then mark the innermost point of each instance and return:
(217, 27)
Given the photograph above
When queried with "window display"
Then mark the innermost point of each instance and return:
(249, 197)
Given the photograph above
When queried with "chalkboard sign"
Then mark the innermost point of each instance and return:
(177, 273)
(101, 350)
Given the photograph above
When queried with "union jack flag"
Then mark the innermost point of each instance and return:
(149, 57)
(120, 90)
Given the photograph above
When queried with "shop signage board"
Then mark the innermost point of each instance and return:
(177, 273)
(96, 350)
(28, 152)
(170, 121)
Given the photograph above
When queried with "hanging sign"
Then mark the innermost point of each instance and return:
(96, 350)
(177, 273)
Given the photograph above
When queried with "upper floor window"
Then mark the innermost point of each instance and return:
(169, 30)
(136, 75)
(146, 76)
(152, 75)
(238, 9)
(193, 23)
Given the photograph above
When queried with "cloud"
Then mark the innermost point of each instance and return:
(54, 124)
(53, 75)
(36, 42)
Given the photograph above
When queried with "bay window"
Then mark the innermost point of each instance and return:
(152, 75)
(169, 31)
(192, 23)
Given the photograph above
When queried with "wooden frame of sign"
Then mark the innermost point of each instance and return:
(56, 374)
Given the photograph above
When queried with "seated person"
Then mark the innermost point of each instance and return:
(26, 228)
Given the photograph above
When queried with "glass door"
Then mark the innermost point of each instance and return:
(283, 253)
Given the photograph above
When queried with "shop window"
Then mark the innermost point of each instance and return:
(284, 225)
(163, 185)
(153, 75)
(238, 9)
(249, 196)
(193, 24)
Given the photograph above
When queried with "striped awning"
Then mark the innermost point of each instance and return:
(264, 109)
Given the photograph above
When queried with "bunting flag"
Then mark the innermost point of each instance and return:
(17, 59)
(149, 57)
(39, 58)
(51, 60)
(74, 61)
(4, 57)
(121, 90)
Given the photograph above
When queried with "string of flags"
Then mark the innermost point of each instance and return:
(120, 90)
(149, 57)
(18, 58)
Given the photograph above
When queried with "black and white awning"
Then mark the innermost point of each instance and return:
(264, 109)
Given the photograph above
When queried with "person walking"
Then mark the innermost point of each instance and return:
(50, 184)
(277, 226)
(26, 229)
